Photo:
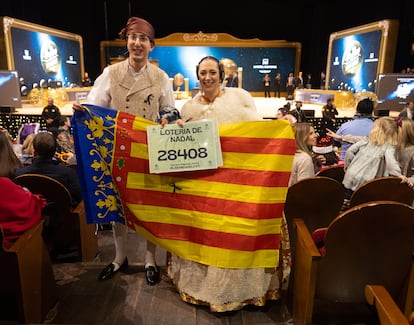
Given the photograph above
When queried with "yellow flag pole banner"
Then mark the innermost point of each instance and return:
(226, 217)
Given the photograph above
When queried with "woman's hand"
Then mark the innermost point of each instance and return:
(164, 122)
(179, 122)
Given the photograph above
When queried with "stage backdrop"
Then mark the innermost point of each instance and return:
(227, 217)
(181, 52)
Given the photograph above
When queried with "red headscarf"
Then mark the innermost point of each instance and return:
(138, 25)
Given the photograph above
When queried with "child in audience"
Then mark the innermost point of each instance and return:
(373, 157)
(26, 156)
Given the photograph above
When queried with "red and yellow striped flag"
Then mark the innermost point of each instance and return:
(227, 217)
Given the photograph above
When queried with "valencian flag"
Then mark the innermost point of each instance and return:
(227, 217)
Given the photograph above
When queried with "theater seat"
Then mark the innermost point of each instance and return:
(370, 244)
(27, 285)
(69, 230)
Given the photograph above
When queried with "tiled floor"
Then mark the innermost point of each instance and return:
(126, 299)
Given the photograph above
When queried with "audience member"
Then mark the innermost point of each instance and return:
(65, 146)
(298, 113)
(45, 163)
(50, 114)
(86, 81)
(222, 289)
(24, 130)
(6, 133)
(325, 146)
(9, 161)
(113, 88)
(360, 125)
(17, 147)
(283, 114)
(19, 209)
(27, 153)
(405, 148)
(305, 164)
(344, 138)
(407, 111)
(373, 157)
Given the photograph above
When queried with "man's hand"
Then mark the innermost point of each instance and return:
(77, 107)
(163, 122)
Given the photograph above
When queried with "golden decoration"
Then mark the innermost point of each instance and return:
(344, 99)
(200, 36)
(39, 97)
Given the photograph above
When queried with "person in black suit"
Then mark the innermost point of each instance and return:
(45, 163)
(290, 86)
(329, 113)
(266, 85)
(235, 80)
(50, 114)
(407, 111)
(298, 113)
(277, 85)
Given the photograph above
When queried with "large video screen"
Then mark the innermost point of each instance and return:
(394, 91)
(9, 89)
(42, 56)
(358, 55)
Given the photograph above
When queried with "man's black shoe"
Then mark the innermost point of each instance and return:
(152, 274)
(109, 271)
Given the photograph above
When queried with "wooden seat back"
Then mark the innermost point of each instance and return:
(336, 172)
(382, 188)
(370, 244)
(317, 200)
(71, 229)
(59, 199)
(27, 285)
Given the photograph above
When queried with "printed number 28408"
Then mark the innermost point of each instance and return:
(191, 153)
